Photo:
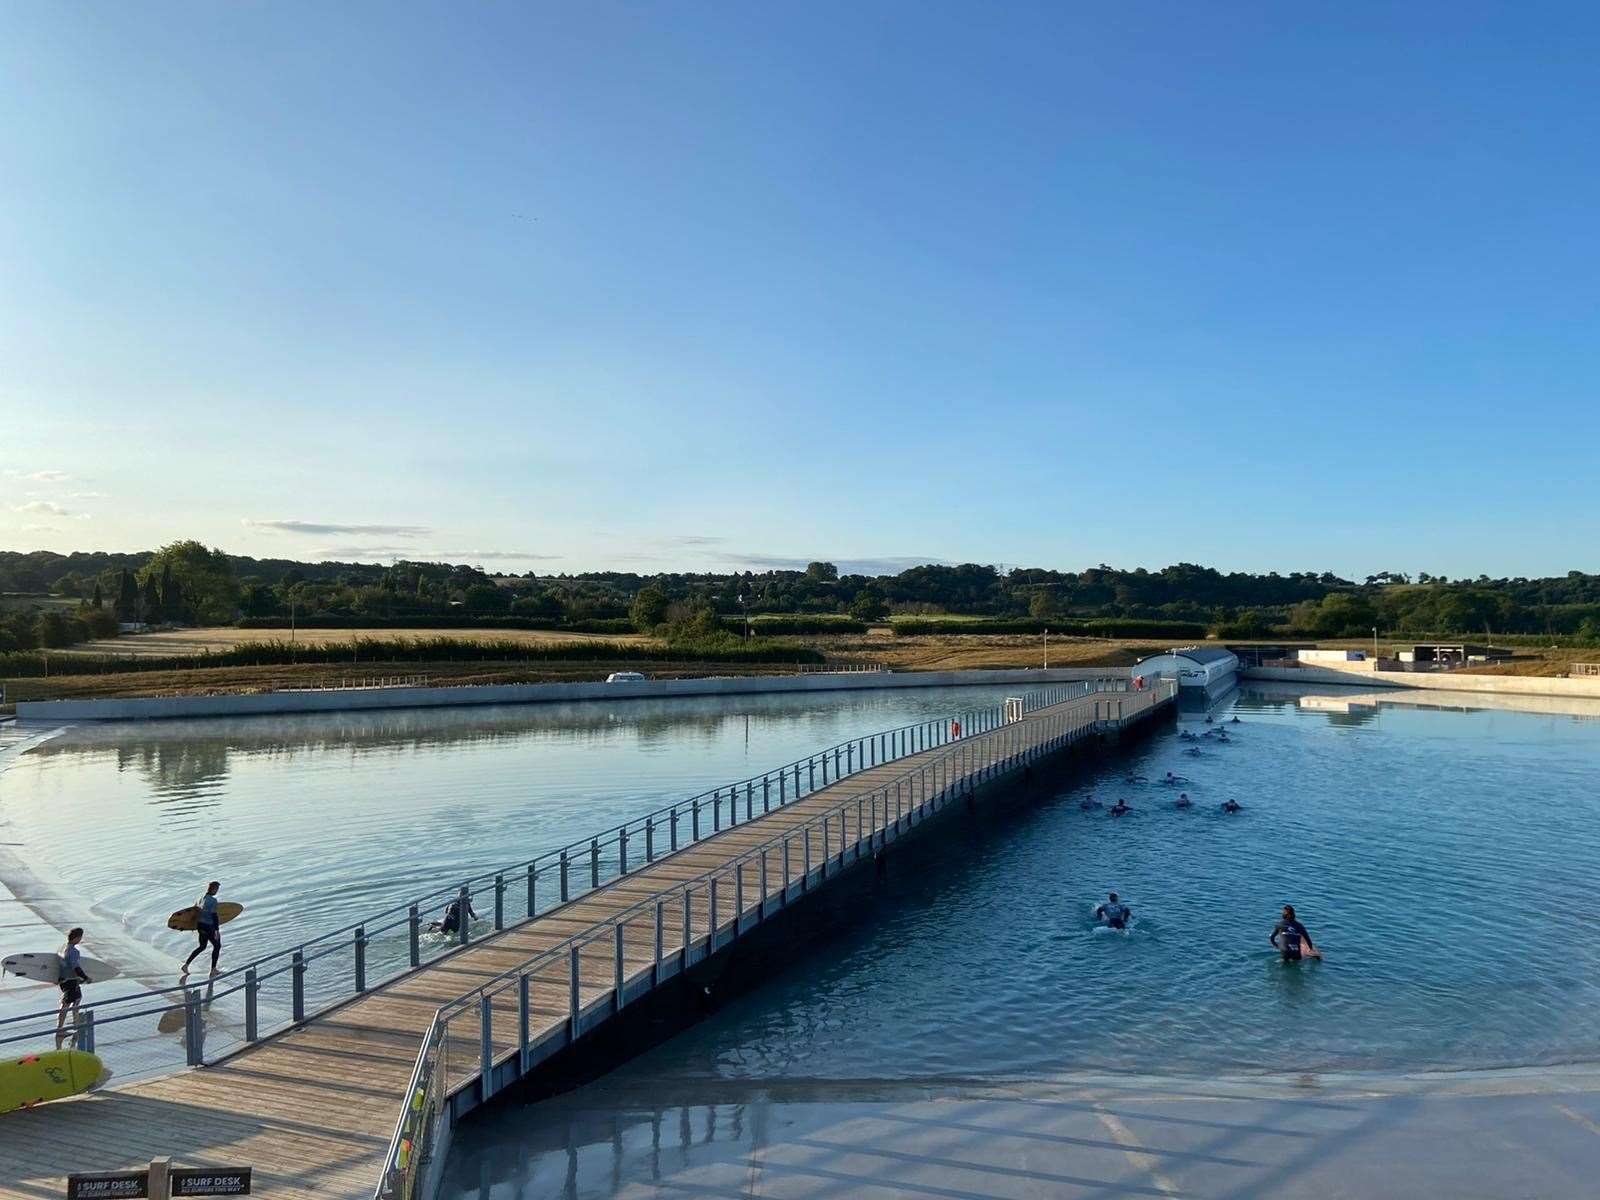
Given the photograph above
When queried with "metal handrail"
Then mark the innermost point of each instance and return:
(612, 927)
(848, 758)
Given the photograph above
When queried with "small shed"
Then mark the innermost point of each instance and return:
(1191, 666)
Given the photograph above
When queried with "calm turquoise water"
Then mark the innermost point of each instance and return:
(1445, 861)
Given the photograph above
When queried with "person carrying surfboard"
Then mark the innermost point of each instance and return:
(71, 984)
(209, 927)
(1293, 934)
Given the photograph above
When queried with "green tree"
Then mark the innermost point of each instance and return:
(127, 597)
(869, 605)
(649, 609)
(1043, 604)
(822, 572)
(52, 630)
(150, 600)
(99, 601)
(204, 577)
(487, 598)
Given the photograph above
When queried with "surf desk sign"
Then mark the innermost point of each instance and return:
(161, 1181)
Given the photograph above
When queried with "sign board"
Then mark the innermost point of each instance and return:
(108, 1184)
(212, 1181)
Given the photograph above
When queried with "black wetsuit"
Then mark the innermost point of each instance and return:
(1292, 933)
(1116, 915)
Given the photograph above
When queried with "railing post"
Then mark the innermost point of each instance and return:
(485, 1047)
(193, 1048)
(361, 958)
(711, 933)
(688, 928)
(533, 889)
(766, 794)
(84, 1034)
(524, 1013)
(738, 897)
(749, 799)
(594, 862)
(414, 935)
(859, 803)
(297, 985)
(811, 774)
(849, 759)
(499, 901)
(661, 941)
(649, 839)
(573, 973)
(763, 882)
(622, 851)
(463, 933)
(673, 832)
(783, 790)
(617, 962)
(564, 866)
(252, 993)
(694, 827)
(826, 854)
(805, 880)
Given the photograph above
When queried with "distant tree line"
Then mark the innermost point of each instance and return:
(187, 583)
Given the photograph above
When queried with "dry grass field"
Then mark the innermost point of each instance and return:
(178, 642)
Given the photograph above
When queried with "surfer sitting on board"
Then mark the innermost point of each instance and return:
(1114, 913)
(72, 981)
(1293, 934)
(209, 926)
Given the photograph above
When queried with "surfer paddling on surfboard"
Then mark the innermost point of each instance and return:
(209, 926)
(72, 981)
(1296, 942)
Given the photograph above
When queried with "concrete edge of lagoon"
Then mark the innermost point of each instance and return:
(346, 699)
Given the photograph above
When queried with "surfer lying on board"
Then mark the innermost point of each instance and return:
(1114, 913)
(208, 925)
(1293, 934)
(72, 981)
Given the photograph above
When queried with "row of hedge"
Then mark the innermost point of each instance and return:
(1105, 627)
(403, 650)
(438, 621)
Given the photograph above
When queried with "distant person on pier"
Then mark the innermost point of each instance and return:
(1114, 913)
(1296, 943)
(1232, 806)
(209, 928)
(71, 984)
(955, 730)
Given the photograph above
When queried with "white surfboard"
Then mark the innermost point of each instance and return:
(46, 967)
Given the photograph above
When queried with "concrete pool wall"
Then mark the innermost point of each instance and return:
(344, 699)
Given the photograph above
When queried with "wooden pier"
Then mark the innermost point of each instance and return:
(314, 1110)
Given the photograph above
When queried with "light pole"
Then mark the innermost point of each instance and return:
(1047, 647)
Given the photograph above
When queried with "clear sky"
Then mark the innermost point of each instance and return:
(708, 285)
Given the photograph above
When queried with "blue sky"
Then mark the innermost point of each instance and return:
(695, 286)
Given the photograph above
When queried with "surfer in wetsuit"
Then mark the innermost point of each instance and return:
(209, 928)
(1114, 913)
(1183, 800)
(71, 984)
(1293, 934)
(1232, 806)
(452, 916)
(1120, 807)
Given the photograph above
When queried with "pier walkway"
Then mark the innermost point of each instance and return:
(357, 1101)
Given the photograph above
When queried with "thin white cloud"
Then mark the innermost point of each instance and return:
(41, 476)
(496, 555)
(413, 554)
(86, 495)
(44, 508)
(695, 539)
(321, 528)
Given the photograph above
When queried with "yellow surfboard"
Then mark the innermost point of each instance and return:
(52, 1075)
(189, 918)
